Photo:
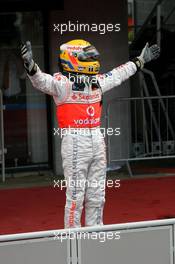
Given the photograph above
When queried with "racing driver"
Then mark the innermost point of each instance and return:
(77, 92)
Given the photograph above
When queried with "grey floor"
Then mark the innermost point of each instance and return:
(25, 180)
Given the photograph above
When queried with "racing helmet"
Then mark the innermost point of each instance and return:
(79, 56)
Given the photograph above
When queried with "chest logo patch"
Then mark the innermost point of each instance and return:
(90, 111)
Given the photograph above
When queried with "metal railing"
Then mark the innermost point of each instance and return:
(155, 12)
(2, 150)
(148, 19)
(150, 124)
(98, 228)
(91, 244)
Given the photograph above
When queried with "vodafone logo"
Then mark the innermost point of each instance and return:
(89, 119)
(74, 48)
(90, 110)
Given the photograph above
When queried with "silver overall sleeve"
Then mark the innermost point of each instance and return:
(56, 85)
(118, 75)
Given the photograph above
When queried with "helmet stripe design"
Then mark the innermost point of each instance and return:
(68, 63)
(73, 60)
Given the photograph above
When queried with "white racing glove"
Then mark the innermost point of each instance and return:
(148, 54)
(27, 56)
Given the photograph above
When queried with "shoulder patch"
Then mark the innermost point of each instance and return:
(108, 74)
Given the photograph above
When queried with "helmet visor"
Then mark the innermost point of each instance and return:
(88, 54)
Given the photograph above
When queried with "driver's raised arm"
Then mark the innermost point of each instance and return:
(56, 85)
(121, 73)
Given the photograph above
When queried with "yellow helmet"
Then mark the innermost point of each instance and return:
(79, 56)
